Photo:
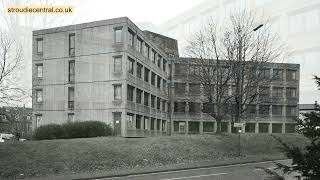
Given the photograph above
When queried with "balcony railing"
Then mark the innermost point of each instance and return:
(70, 105)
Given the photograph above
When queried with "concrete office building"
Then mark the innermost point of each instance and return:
(111, 71)
(296, 21)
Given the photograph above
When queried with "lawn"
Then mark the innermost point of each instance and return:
(69, 156)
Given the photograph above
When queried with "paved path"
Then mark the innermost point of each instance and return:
(248, 171)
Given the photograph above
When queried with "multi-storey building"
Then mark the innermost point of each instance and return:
(111, 71)
(297, 22)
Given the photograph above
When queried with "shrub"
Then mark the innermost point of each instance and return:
(83, 129)
(50, 131)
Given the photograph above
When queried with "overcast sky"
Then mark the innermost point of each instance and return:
(155, 11)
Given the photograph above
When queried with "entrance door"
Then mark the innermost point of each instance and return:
(117, 123)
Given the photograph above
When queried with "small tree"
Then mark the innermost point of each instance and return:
(234, 55)
(305, 161)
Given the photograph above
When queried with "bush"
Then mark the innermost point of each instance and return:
(50, 131)
(83, 129)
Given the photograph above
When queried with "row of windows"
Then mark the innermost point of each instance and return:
(71, 71)
(142, 47)
(195, 88)
(71, 45)
(144, 73)
(278, 74)
(140, 98)
(145, 122)
(195, 107)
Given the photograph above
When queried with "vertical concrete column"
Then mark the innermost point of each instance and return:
(270, 112)
(187, 107)
(187, 127)
(134, 121)
(229, 127)
(256, 128)
(270, 128)
(160, 125)
(215, 126)
(201, 127)
(283, 130)
(244, 128)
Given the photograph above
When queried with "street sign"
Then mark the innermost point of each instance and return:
(238, 124)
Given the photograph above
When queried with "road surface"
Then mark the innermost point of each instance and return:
(247, 171)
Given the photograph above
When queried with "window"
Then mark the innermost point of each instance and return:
(71, 44)
(117, 92)
(39, 70)
(164, 85)
(179, 107)
(153, 78)
(291, 92)
(153, 101)
(38, 120)
(164, 105)
(138, 121)
(130, 64)
(39, 45)
(139, 96)
(179, 88)
(264, 73)
(158, 103)
(153, 56)
(163, 125)
(291, 110)
(277, 92)
(159, 82)
(276, 110)
(39, 97)
(164, 65)
(118, 34)
(139, 70)
(130, 120)
(291, 75)
(277, 74)
(130, 38)
(152, 123)
(264, 92)
(70, 98)
(159, 61)
(146, 74)
(194, 88)
(71, 71)
(145, 124)
(158, 124)
(251, 109)
(70, 117)
(264, 109)
(194, 107)
(147, 50)
(117, 61)
(130, 91)
(139, 45)
(146, 99)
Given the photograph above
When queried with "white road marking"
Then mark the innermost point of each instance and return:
(204, 175)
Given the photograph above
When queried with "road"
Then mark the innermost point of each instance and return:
(248, 171)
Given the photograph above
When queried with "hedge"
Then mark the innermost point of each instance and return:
(79, 129)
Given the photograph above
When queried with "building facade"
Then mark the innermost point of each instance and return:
(297, 22)
(113, 72)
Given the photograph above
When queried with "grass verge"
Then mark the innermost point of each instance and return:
(112, 154)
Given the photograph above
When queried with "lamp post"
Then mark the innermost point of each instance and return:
(239, 145)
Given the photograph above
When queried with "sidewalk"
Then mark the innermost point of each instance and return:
(150, 170)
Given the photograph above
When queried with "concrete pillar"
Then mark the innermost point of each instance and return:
(215, 126)
(229, 127)
(244, 128)
(160, 125)
(256, 128)
(187, 127)
(270, 128)
(283, 130)
(201, 127)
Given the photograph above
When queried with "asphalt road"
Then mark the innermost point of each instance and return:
(248, 171)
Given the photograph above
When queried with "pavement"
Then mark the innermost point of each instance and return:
(245, 171)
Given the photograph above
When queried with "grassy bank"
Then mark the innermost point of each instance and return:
(52, 157)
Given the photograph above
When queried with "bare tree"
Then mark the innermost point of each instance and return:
(233, 59)
(10, 59)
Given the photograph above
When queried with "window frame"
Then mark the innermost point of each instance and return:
(39, 92)
(37, 70)
(72, 53)
(117, 29)
(39, 40)
(117, 93)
